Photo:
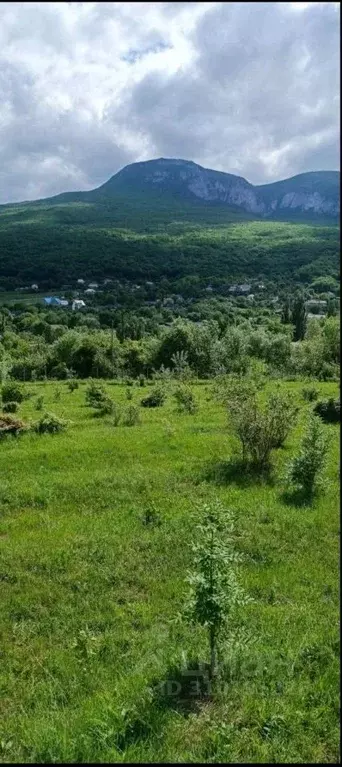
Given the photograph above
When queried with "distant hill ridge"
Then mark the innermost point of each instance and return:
(307, 195)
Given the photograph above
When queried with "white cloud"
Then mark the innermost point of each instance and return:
(85, 88)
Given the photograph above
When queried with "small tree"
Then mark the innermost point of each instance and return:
(185, 399)
(305, 469)
(299, 318)
(214, 590)
(12, 392)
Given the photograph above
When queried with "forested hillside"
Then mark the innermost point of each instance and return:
(56, 246)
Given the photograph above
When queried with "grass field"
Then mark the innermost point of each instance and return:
(89, 592)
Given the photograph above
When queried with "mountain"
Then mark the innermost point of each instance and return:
(173, 189)
(174, 219)
(309, 194)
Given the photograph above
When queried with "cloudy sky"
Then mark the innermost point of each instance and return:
(86, 88)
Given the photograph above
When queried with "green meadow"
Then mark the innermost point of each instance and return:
(90, 589)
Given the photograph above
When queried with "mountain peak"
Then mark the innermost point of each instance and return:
(311, 193)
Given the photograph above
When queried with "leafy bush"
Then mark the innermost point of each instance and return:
(156, 398)
(11, 425)
(116, 414)
(60, 371)
(309, 393)
(105, 406)
(95, 394)
(50, 424)
(282, 414)
(12, 392)
(328, 410)
(132, 416)
(129, 394)
(261, 428)
(39, 403)
(10, 407)
(57, 395)
(304, 470)
(185, 399)
(141, 380)
(72, 385)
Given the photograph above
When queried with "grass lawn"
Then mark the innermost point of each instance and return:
(89, 592)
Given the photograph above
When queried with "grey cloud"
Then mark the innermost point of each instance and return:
(249, 93)
(257, 94)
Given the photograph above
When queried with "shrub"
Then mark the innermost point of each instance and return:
(116, 415)
(282, 414)
(11, 425)
(328, 410)
(141, 380)
(132, 416)
(12, 392)
(50, 424)
(214, 589)
(39, 403)
(10, 407)
(72, 385)
(105, 406)
(304, 470)
(95, 394)
(185, 399)
(129, 382)
(309, 393)
(57, 395)
(129, 394)
(60, 371)
(156, 398)
(261, 428)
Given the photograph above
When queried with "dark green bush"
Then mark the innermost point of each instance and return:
(309, 393)
(12, 392)
(328, 410)
(132, 416)
(72, 385)
(95, 394)
(156, 398)
(50, 424)
(10, 407)
(185, 399)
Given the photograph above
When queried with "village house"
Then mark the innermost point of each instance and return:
(77, 304)
(90, 291)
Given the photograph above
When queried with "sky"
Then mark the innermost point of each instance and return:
(87, 88)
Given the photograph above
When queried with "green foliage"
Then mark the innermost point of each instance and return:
(185, 400)
(10, 407)
(129, 395)
(298, 318)
(156, 398)
(309, 393)
(329, 410)
(50, 423)
(12, 392)
(260, 427)
(304, 470)
(105, 406)
(214, 590)
(95, 394)
(116, 414)
(132, 416)
(72, 385)
(57, 395)
(39, 402)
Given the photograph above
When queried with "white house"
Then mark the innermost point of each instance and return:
(90, 291)
(80, 282)
(77, 304)
(93, 285)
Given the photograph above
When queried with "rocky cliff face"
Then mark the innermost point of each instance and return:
(316, 193)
